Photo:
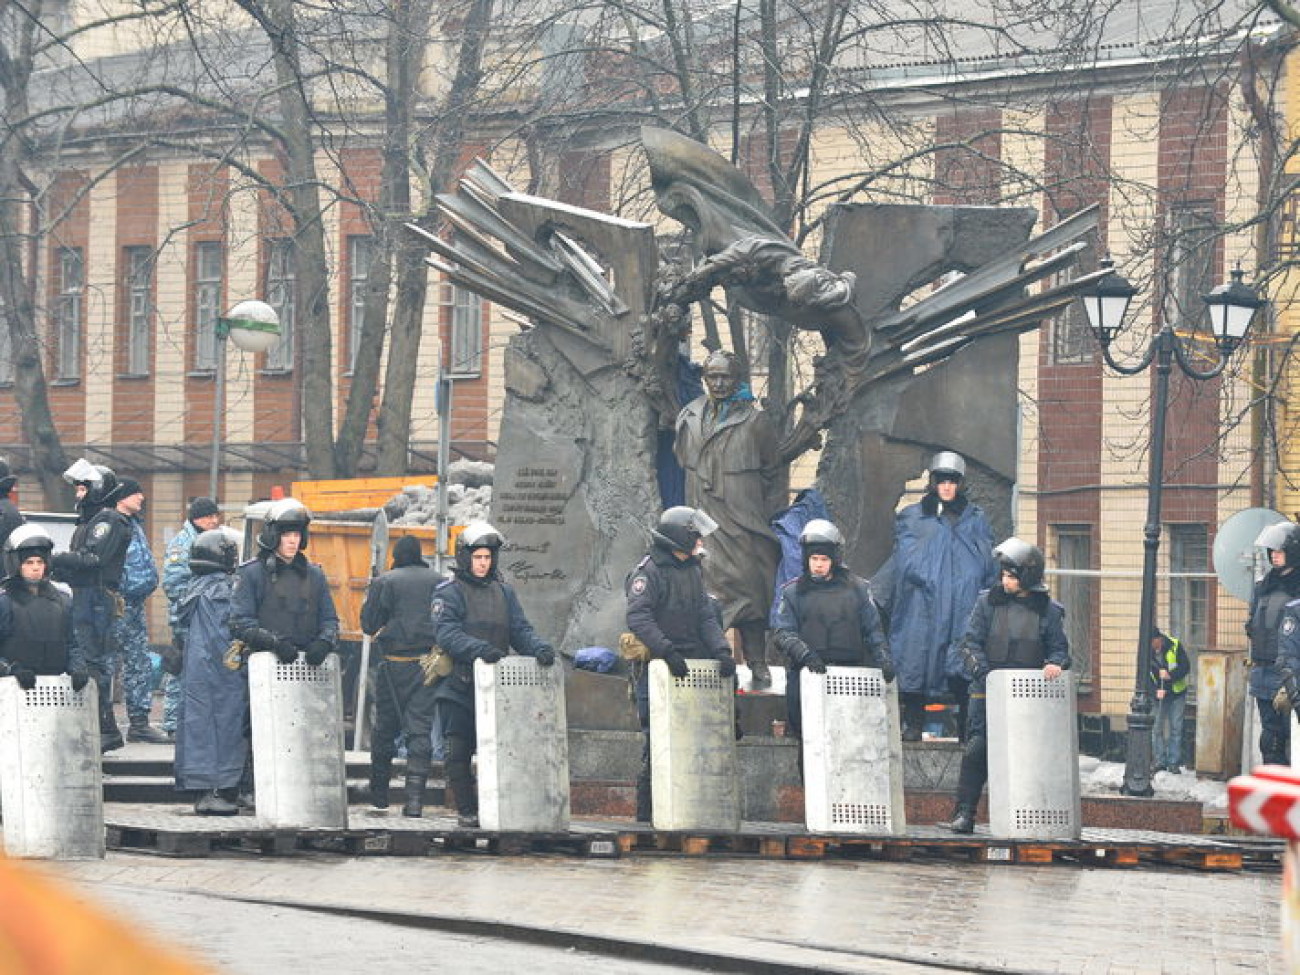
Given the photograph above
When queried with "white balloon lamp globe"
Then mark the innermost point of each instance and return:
(253, 326)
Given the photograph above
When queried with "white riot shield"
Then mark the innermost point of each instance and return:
(50, 780)
(693, 772)
(523, 745)
(1033, 756)
(852, 752)
(298, 766)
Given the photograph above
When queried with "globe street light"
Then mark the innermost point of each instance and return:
(253, 326)
(1232, 308)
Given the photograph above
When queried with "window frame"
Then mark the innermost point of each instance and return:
(137, 309)
(207, 303)
(282, 295)
(465, 333)
(69, 307)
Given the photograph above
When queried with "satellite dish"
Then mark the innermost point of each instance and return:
(1237, 562)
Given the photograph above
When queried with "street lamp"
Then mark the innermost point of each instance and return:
(253, 326)
(1232, 307)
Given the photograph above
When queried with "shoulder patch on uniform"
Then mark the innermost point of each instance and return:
(1288, 624)
(638, 586)
(100, 530)
(436, 608)
(174, 557)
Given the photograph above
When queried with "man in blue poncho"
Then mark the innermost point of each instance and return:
(942, 559)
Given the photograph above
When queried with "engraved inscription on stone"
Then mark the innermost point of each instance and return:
(534, 497)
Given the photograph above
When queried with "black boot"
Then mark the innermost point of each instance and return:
(414, 806)
(141, 730)
(461, 780)
(213, 803)
(963, 820)
(110, 737)
(381, 774)
(913, 717)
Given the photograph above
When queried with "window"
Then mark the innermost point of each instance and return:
(281, 294)
(1077, 593)
(1189, 598)
(207, 303)
(1070, 335)
(1188, 263)
(359, 252)
(758, 342)
(137, 285)
(6, 348)
(466, 332)
(70, 269)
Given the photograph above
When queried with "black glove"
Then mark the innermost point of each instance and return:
(173, 657)
(545, 656)
(726, 665)
(79, 679)
(317, 651)
(676, 664)
(258, 639)
(284, 650)
(814, 663)
(887, 670)
(25, 676)
(490, 655)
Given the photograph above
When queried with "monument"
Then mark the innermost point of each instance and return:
(592, 379)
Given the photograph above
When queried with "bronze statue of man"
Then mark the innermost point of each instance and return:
(728, 447)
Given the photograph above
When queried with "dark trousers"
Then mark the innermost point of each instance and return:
(460, 735)
(975, 756)
(403, 705)
(1274, 733)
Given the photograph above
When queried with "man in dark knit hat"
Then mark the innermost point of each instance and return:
(203, 515)
(397, 608)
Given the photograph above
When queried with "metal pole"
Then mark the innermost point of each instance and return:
(1137, 766)
(218, 407)
(444, 460)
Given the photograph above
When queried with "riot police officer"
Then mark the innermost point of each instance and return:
(212, 726)
(669, 612)
(93, 567)
(282, 603)
(826, 616)
(397, 608)
(1264, 626)
(1014, 625)
(478, 618)
(36, 632)
(10, 516)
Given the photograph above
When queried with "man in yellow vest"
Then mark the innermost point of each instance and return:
(1169, 670)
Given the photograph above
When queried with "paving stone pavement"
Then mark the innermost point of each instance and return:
(833, 916)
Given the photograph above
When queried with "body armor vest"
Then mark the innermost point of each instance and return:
(486, 616)
(1264, 626)
(40, 631)
(830, 626)
(1014, 640)
(287, 607)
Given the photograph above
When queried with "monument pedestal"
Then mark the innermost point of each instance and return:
(693, 749)
(853, 752)
(298, 766)
(1033, 756)
(523, 748)
(50, 780)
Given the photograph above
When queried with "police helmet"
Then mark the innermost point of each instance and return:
(102, 490)
(947, 464)
(1024, 561)
(287, 514)
(820, 537)
(475, 535)
(681, 527)
(82, 471)
(24, 542)
(216, 550)
(1284, 537)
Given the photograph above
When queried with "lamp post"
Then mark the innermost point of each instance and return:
(1232, 307)
(253, 326)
